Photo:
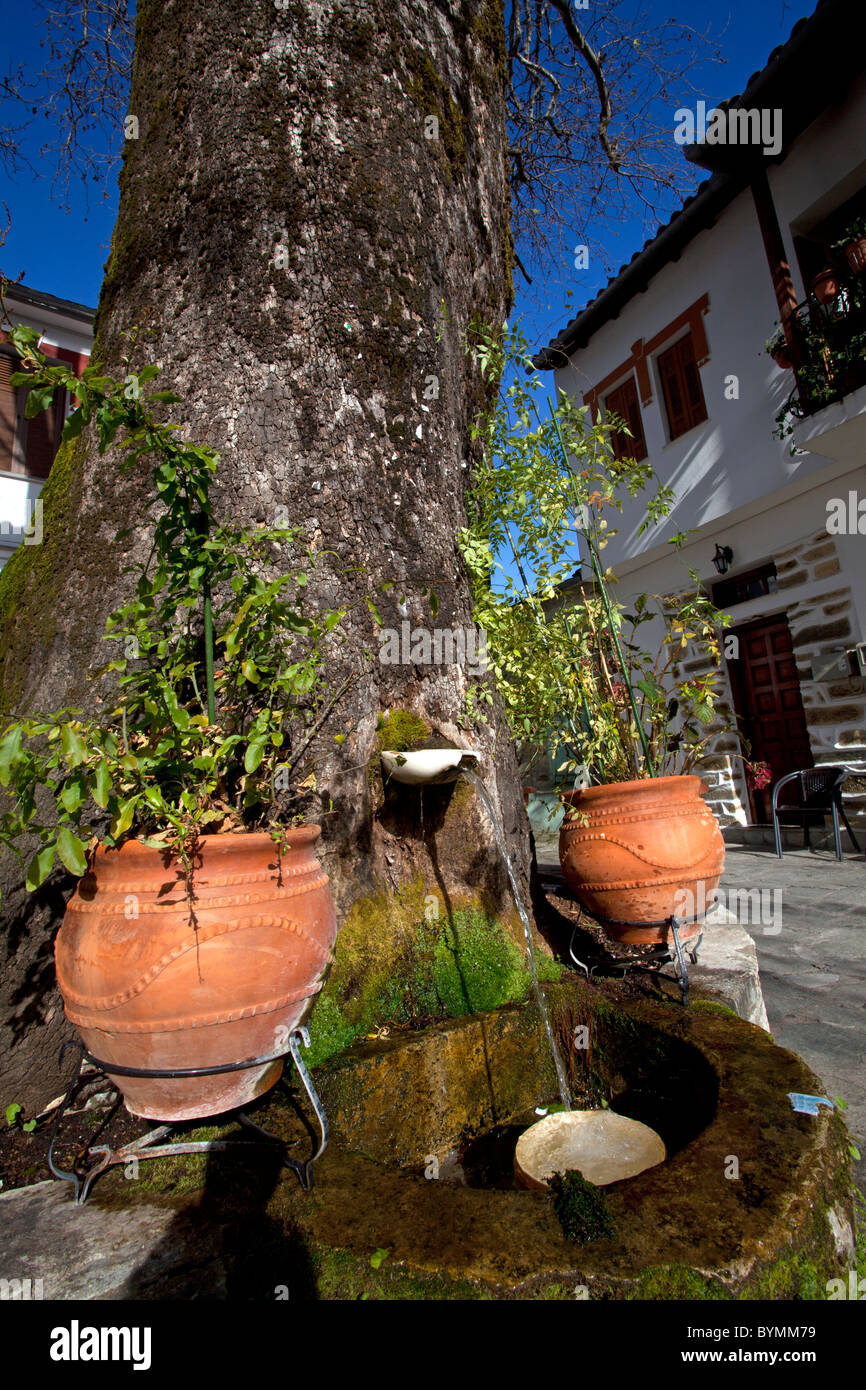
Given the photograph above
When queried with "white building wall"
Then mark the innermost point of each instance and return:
(19, 493)
(735, 482)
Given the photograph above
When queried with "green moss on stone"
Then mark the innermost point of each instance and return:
(401, 731)
(709, 1006)
(342, 1275)
(675, 1281)
(581, 1208)
(181, 1176)
(392, 967)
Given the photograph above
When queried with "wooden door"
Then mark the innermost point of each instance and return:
(767, 699)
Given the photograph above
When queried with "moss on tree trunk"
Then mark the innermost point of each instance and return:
(301, 247)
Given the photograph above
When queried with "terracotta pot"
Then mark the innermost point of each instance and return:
(825, 286)
(782, 357)
(148, 986)
(855, 253)
(637, 848)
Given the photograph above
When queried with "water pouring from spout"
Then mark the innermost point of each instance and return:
(484, 797)
(428, 766)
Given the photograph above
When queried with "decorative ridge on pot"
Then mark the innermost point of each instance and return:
(634, 881)
(169, 986)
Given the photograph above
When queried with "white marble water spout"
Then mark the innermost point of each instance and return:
(429, 765)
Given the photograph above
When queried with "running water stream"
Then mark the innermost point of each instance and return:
(484, 797)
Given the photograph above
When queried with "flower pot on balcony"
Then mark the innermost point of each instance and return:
(782, 356)
(855, 254)
(636, 853)
(154, 982)
(825, 286)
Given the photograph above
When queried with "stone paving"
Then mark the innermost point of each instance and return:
(812, 960)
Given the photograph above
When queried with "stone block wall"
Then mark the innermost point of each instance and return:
(822, 624)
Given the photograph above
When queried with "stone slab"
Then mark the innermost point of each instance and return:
(97, 1252)
(727, 970)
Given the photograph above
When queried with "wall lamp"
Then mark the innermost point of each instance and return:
(722, 558)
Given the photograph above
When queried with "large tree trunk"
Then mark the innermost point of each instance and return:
(288, 235)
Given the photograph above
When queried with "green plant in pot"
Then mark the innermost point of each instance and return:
(574, 670)
(202, 924)
(778, 347)
(852, 244)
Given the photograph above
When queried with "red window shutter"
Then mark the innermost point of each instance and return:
(681, 384)
(637, 443)
(693, 394)
(678, 419)
(623, 403)
(43, 437)
(8, 410)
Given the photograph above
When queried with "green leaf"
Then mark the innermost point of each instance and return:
(253, 756)
(72, 851)
(10, 750)
(72, 796)
(102, 784)
(108, 423)
(73, 425)
(12, 1112)
(125, 813)
(39, 398)
(25, 338)
(378, 1258)
(73, 748)
(29, 1126)
(40, 867)
(250, 672)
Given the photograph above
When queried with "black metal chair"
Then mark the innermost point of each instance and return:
(820, 791)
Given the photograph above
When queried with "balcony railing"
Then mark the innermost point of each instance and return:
(827, 351)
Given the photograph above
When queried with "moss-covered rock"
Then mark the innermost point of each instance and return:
(581, 1207)
(398, 962)
(401, 731)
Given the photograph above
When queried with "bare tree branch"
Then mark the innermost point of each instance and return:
(81, 92)
(590, 101)
(591, 58)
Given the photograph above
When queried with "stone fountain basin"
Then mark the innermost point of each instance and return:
(684, 1228)
(687, 1228)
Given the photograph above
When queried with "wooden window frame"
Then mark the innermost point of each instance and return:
(55, 418)
(627, 446)
(727, 585)
(638, 362)
(673, 366)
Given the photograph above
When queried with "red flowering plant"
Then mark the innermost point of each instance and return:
(758, 775)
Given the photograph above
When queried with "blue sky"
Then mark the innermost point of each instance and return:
(61, 244)
(745, 32)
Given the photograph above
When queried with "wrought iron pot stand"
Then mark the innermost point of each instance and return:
(652, 961)
(83, 1175)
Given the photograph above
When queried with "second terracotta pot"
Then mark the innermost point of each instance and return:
(825, 286)
(154, 982)
(635, 853)
(855, 253)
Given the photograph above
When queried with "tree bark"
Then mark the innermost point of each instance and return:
(304, 249)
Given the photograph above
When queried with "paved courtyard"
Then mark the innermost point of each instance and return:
(812, 960)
